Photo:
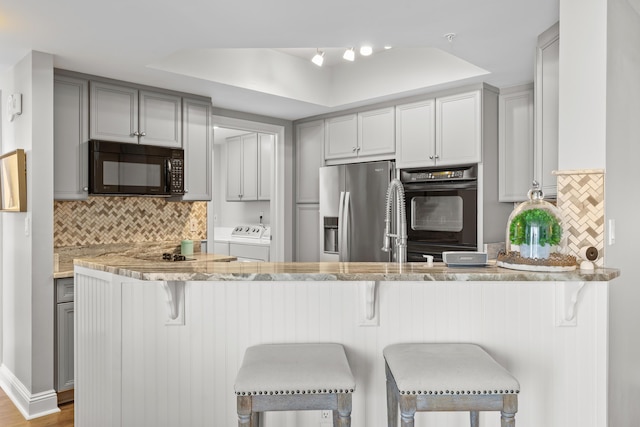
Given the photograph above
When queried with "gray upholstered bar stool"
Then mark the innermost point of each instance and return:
(292, 377)
(447, 377)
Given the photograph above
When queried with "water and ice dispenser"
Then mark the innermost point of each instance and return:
(330, 234)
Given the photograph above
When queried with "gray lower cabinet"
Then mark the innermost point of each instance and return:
(70, 138)
(64, 374)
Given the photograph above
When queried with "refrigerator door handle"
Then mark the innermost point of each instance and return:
(346, 253)
(340, 226)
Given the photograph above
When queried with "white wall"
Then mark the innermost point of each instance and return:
(583, 59)
(600, 128)
(230, 214)
(27, 239)
(622, 204)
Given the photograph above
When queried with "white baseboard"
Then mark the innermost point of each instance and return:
(30, 405)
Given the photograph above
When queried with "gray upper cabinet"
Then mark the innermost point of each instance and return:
(443, 131)
(114, 113)
(547, 109)
(160, 119)
(515, 143)
(126, 114)
(70, 136)
(197, 145)
(309, 152)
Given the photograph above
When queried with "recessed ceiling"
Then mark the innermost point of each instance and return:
(189, 45)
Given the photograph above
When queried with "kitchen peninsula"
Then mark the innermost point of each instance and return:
(160, 347)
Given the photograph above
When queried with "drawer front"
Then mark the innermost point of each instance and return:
(64, 290)
(253, 252)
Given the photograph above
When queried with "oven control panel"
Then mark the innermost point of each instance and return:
(439, 175)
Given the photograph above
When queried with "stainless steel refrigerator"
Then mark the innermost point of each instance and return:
(352, 210)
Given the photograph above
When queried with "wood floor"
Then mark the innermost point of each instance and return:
(11, 417)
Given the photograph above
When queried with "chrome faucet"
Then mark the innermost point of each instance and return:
(396, 189)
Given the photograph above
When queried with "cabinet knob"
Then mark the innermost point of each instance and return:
(143, 133)
(135, 133)
(430, 157)
(354, 149)
(186, 191)
(85, 188)
(437, 157)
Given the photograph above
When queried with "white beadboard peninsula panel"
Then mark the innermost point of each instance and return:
(97, 359)
(184, 375)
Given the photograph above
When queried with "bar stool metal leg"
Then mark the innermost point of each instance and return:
(475, 418)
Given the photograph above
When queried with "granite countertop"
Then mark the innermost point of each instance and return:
(205, 268)
(148, 251)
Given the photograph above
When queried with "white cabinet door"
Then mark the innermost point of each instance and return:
(197, 149)
(415, 134)
(309, 143)
(376, 132)
(248, 252)
(242, 168)
(220, 247)
(234, 169)
(515, 143)
(547, 109)
(265, 150)
(70, 136)
(459, 129)
(341, 137)
(160, 119)
(113, 112)
(308, 233)
(249, 166)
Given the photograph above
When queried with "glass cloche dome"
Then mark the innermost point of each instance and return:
(536, 237)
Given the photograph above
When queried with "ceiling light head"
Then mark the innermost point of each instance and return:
(366, 50)
(318, 58)
(387, 47)
(349, 54)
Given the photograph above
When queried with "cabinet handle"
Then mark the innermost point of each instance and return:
(358, 149)
(437, 157)
(136, 133)
(353, 150)
(143, 133)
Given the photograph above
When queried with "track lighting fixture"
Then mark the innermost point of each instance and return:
(318, 58)
(366, 50)
(349, 54)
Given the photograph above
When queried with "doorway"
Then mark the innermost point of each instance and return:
(247, 212)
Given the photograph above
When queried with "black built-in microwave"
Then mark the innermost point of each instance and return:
(117, 168)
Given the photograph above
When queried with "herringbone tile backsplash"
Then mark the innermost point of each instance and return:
(581, 200)
(101, 220)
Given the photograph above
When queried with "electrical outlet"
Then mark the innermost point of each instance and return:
(193, 224)
(326, 415)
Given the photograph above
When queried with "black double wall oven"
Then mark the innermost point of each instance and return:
(442, 211)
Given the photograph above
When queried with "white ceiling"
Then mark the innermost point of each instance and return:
(253, 55)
